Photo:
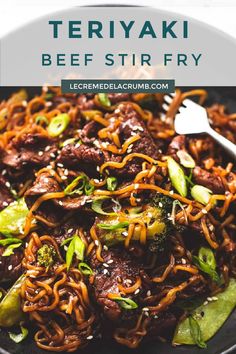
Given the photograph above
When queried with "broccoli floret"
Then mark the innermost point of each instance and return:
(46, 255)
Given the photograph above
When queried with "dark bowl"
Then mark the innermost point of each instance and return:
(224, 342)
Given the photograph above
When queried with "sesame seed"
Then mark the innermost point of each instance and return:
(214, 298)
(96, 242)
(171, 192)
(70, 230)
(60, 202)
(66, 172)
(60, 165)
(7, 184)
(4, 172)
(105, 271)
(98, 168)
(5, 204)
(63, 178)
(146, 313)
(105, 265)
(96, 180)
(52, 155)
(137, 291)
(105, 248)
(136, 186)
(124, 233)
(110, 261)
(119, 279)
(183, 261)
(160, 205)
(204, 211)
(149, 293)
(90, 337)
(209, 299)
(146, 309)
(156, 316)
(205, 303)
(10, 267)
(40, 153)
(47, 148)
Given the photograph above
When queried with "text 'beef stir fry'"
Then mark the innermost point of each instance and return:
(111, 225)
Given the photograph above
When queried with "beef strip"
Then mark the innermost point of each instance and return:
(177, 143)
(45, 183)
(29, 150)
(5, 194)
(84, 157)
(89, 156)
(10, 267)
(208, 180)
(119, 268)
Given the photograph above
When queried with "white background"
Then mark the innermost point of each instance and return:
(218, 13)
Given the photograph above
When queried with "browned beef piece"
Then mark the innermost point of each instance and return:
(84, 157)
(45, 183)
(10, 267)
(118, 97)
(177, 143)
(5, 194)
(85, 102)
(208, 180)
(88, 156)
(29, 150)
(118, 268)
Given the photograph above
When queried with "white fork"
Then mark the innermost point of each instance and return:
(192, 119)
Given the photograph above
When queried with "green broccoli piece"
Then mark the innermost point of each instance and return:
(46, 255)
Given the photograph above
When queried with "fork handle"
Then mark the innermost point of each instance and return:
(225, 143)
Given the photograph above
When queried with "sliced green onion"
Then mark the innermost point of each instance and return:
(201, 194)
(196, 332)
(58, 124)
(103, 98)
(111, 183)
(1, 294)
(206, 263)
(41, 119)
(97, 206)
(19, 337)
(9, 241)
(67, 240)
(85, 268)
(70, 189)
(186, 160)
(88, 188)
(77, 248)
(125, 303)
(119, 225)
(10, 249)
(206, 255)
(67, 142)
(177, 177)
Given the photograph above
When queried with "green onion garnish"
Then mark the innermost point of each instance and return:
(119, 225)
(201, 194)
(77, 248)
(81, 181)
(125, 303)
(111, 183)
(85, 268)
(104, 100)
(41, 119)
(97, 206)
(58, 124)
(19, 337)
